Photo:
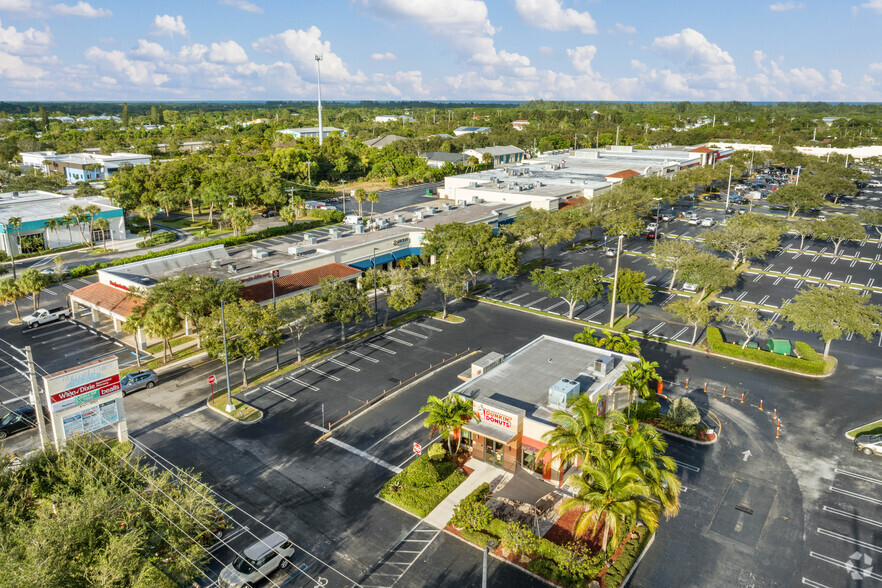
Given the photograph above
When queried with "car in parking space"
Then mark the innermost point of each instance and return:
(694, 221)
(20, 419)
(690, 287)
(138, 381)
(869, 444)
(712, 197)
(257, 562)
(667, 216)
(707, 222)
(268, 213)
(609, 252)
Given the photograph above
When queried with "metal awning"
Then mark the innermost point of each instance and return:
(407, 252)
(370, 262)
(491, 431)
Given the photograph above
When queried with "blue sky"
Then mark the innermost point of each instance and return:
(440, 49)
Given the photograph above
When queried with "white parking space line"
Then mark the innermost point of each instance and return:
(553, 306)
(345, 365)
(655, 328)
(17, 399)
(763, 300)
(518, 297)
(758, 278)
(680, 333)
(687, 466)
(535, 302)
(397, 340)
(271, 390)
(848, 566)
(798, 283)
(425, 326)
(855, 495)
(851, 515)
(395, 430)
(357, 451)
(807, 273)
(742, 295)
(595, 314)
(827, 277)
(813, 584)
(323, 374)
(848, 539)
(412, 333)
(228, 538)
(380, 348)
(362, 356)
(302, 383)
(861, 477)
(775, 283)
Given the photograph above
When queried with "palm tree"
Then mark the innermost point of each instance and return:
(289, 214)
(78, 215)
(446, 416)
(92, 211)
(10, 291)
(14, 222)
(32, 282)
(637, 377)
(148, 211)
(373, 197)
(581, 435)
(68, 221)
(612, 493)
(625, 344)
(103, 224)
(645, 447)
(162, 320)
(360, 196)
(52, 225)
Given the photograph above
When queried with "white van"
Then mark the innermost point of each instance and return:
(353, 219)
(257, 562)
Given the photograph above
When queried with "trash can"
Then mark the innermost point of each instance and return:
(781, 346)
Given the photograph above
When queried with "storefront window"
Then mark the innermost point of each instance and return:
(466, 437)
(531, 461)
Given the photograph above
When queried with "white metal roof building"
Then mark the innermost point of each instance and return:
(303, 132)
(81, 167)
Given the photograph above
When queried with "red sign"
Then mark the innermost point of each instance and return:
(417, 448)
(212, 379)
(103, 387)
(275, 274)
(120, 286)
(495, 418)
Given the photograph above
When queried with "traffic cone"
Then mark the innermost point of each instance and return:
(761, 403)
(687, 382)
(742, 398)
(778, 431)
(724, 391)
(775, 415)
(705, 387)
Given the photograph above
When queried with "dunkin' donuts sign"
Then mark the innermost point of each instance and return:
(491, 416)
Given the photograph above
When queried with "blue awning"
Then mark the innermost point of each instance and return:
(369, 262)
(407, 252)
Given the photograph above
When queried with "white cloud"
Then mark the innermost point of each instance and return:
(15, 68)
(545, 50)
(875, 5)
(627, 29)
(638, 65)
(758, 58)
(81, 9)
(28, 42)
(242, 5)
(16, 5)
(303, 46)
(438, 14)
(704, 63)
(169, 25)
(227, 52)
(875, 66)
(140, 73)
(193, 52)
(383, 56)
(149, 50)
(581, 57)
(551, 15)
(786, 6)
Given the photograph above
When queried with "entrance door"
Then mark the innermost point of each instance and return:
(493, 452)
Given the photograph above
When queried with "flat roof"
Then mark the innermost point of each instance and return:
(522, 381)
(37, 205)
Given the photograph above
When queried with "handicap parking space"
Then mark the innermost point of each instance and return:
(844, 534)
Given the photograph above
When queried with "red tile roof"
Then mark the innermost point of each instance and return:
(573, 203)
(297, 281)
(108, 298)
(624, 174)
(702, 149)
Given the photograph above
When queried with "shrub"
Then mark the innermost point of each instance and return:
(519, 538)
(549, 569)
(809, 362)
(328, 216)
(630, 552)
(471, 515)
(684, 412)
(667, 423)
(420, 500)
(158, 239)
(477, 537)
(576, 559)
(436, 452)
(480, 493)
(422, 473)
(647, 410)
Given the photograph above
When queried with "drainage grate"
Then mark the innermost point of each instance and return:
(743, 508)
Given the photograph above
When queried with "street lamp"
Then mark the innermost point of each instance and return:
(729, 189)
(612, 310)
(230, 407)
(275, 274)
(318, 67)
(657, 217)
(374, 264)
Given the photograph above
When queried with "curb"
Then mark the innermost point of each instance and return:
(770, 367)
(687, 439)
(847, 436)
(639, 559)
(234, 419)
(502, 559)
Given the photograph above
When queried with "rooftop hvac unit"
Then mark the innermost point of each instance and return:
(335, 233)
(560, 393)
(476, 200)
(461, 203)
(215, 263)
(418, 215)
(296, 250)
(309, 239)
(430, 210)
(258, 253)
(473, 184)
(359, 229)
(231, 268)
(604, 364)
(399, 219)
(446, 206)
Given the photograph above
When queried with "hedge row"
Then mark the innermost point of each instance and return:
(158, 239)
(417, 490)
(616, 574)
(809, 362)
(87, 270)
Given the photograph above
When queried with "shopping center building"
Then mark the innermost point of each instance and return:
(515, 397)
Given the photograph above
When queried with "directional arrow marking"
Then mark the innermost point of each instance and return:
(746, 454)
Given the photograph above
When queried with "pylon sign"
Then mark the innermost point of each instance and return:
(84, 399)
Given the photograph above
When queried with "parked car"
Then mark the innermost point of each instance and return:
(869, 444)
(352, 219)
(20, 419)
(268, 213)
(694, 221)
(50, 271)
(667, 216)
(257, 561)
(653, 227)
(41, 316)
(609, 252)
(712, 197)
(138, 381)
(689, 287)
(707, 222)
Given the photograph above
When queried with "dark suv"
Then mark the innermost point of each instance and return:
(20, 419)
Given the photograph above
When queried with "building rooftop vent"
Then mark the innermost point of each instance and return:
(561, 392)
(604, 364)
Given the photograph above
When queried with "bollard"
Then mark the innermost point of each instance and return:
(724, 391)
(777, 431)
(742, 398)
(687, 382)
(705, 387)
(761, 403)
(775, 415)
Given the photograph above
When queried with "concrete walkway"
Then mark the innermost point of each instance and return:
(483, 472)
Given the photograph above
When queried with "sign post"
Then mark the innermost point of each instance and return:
(211, 381)
(417, 448)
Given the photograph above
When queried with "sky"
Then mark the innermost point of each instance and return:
(783, 50)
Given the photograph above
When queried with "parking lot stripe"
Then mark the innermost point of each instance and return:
(362, 356)
(380, 348)
(851, 515)
(758, 278)
(397, 340)
(518, 297)
(827, 277)
(768, 267)
(813, 584)
(680, 332)
(858, 476)
(808, 273)
(763, 300)
(787, 271)
(852, 263)
(302, 383)
(742, 295)
(687, 466)
(553, 306)
(848, 566)
(323, 374)
(345, 365)
(848, 539)
(798, 283)
(395, 430)
(277, 393)
(870, 282)
(357, 451)
(595, 314)
(535, 302)
(775, 283)
(655, 328)
(855, 495)
(425, 326)
(412, 333)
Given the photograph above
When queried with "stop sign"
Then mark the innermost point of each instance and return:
(417, 448)
(212, 379)
(275, 273)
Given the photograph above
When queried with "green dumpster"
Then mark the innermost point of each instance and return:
(429, 192)
(752, 346)
(781, 346)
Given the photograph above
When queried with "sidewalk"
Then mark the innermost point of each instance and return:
(483, 472)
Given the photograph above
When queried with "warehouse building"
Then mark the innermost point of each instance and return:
(81, 167)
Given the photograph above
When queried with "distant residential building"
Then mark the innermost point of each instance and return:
(313, 132)
(256, 121)
(437, 159)
(186, 146)
(381, 142)
(481, 117)
(502, 155)
(460, 131)
(81, 167)
(519, 125)
(384, 118)
(100, 117)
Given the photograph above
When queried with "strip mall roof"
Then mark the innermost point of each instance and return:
(298, 281)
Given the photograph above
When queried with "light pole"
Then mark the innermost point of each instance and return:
(728, 190)
(318, 67)
(275, 274)
(229, 407)
(343, 184)
(657, 217)
(374, 264)
(612, 310)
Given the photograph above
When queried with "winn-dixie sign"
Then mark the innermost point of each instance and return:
(86, 385)
(496, 418)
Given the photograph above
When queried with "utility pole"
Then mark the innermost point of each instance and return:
(617, 135)
(35, 393)
(374, 264)
(729, 189)
(274, 274)
(230, 407)
(318, 66)
(612, 311)
(309, 173)
(343, 183)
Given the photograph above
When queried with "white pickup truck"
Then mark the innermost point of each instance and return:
(42, 316)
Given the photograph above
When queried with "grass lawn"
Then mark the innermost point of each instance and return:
(873, 428)
(622, 323)
(155, 363)
(154, 349)
(422, 485)
(451, 318)
(530, 266)
(244, 412)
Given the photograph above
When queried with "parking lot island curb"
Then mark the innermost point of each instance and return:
(234, 419)
(639, 559)
(771, 367)
(873, 422)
